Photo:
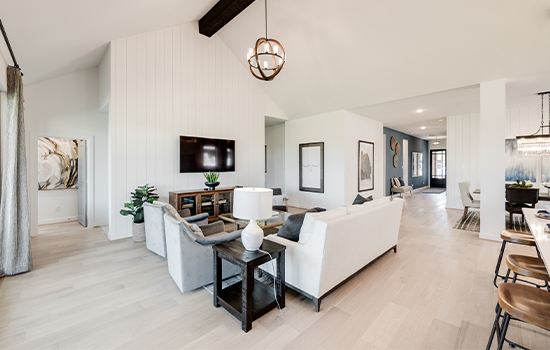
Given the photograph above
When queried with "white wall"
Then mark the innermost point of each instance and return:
(173, 82)
(462, 156)
(105, 81)
(57, 206)
(67, 107)
(462, 159)
(327, 128)
(492, 117)
(340, 131)
(357, 128)
(3, 73)
(275, 142)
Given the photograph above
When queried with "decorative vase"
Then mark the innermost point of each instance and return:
(252, 236)
(212, 185)
(138, 231)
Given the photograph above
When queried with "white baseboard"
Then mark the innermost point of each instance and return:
(57, 220)
(105, 229)
(490, 237)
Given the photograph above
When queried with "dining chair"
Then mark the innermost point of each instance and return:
(467, 200)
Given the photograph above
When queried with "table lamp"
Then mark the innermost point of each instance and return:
(252, 204)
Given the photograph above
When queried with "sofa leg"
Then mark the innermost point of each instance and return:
(395, 248)
(317, 303)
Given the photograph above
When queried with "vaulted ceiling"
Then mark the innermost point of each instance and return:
(341, 54)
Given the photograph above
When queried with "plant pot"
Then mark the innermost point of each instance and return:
(212, 185)
(138, 231)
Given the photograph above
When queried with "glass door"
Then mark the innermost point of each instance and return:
(438, 165)
(224, 203)
(207, 203)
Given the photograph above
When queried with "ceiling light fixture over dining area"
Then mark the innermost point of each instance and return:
(539, 142)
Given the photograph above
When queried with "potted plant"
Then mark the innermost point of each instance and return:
(211, 180)
(522, 184)
(141, 195)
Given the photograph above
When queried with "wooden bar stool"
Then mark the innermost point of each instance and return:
(515, 237)
(527, 266)
(525, 303)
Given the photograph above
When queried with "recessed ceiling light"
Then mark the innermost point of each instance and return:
(423, 127)
(440, 120)
(419, 111)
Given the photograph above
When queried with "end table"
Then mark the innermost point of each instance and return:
(249, 299)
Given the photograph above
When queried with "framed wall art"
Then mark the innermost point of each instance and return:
(312, 167)
(366, 166)
(57, 164)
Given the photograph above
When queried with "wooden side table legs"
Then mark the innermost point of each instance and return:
(217, 278)
(247, 288)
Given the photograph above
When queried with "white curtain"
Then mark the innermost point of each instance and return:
(15, 238)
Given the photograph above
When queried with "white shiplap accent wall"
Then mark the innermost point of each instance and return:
(173, 82)
(463, 146)
(462, 155)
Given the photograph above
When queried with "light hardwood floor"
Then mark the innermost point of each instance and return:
(87, 292)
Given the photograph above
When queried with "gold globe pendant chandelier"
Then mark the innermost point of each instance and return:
(267, 58)
(537, 144)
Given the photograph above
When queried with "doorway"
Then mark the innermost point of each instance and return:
(438, 166)
(62, 180)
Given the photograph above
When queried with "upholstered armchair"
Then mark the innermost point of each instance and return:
(467, 199)
(190, 257)
(280, 200)
(154, 224)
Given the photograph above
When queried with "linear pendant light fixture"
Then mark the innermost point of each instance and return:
(267, 58)
(537, 144)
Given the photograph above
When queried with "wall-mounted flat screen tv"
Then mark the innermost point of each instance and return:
(198, 154)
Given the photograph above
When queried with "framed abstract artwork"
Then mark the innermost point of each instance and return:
(312, 167)
(366, 166)
(518, 166)
(57, 164)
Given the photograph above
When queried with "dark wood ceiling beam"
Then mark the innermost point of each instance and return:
(221, 14)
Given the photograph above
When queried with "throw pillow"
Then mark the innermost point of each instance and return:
(360, 199)
(293, 224)
(395, 182)
(401, 181)
(172, 211)
(192, 227)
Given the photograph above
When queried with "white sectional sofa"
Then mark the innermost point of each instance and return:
(336, 244)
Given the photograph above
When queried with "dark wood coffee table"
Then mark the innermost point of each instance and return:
(249, 299)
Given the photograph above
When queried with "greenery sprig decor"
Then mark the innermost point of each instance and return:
(141, 195)
(211, 177)
(522, 184)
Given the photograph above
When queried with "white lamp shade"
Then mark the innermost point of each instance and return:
(252, 203)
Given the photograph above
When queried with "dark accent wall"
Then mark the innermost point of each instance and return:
(415, 145)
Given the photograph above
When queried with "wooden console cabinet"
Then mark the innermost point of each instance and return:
(216, 202)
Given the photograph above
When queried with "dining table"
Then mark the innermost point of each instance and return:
(542, 238)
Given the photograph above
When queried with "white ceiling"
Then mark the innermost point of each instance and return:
(401, 114)
(341, 54)
(271, 121)
(56, 37)
(353, 53)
